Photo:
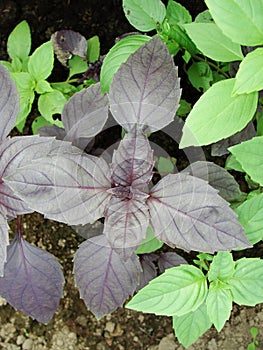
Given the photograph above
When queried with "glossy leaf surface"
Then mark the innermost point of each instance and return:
(104, 279)
(33, 280)
(187, 213)
(145, 91)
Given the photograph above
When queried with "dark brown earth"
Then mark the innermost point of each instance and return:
(73, 327)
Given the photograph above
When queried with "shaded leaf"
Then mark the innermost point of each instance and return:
(51, 130)
(177, 291)
(51, 103)
(9, 103)
(144, 15)
(149, 244)
(221, 147)
(85, 114)
(211, 112)
(66, 186)
(33, 280)
(93, 51)
(200, 75)
(217, 177)
(219, 305)
(170, 259)
(188, 328)
(67, 43)
(105, 281)
(126, 222)
(188, 213)
(149, 270)
(250, 156)
(145, 90)
(247, 286)
(118, 54)
(233, 16)
(250, 215)
(132, 162)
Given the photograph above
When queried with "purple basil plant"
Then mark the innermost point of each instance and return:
(71, 186)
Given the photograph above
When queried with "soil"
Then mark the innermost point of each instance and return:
(73, 327)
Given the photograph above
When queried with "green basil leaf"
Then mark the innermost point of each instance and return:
(144, 15)
(213, 43)
(241, 21)
(249, 77)
(19, 41)
(178, 291)
(41, 62)
(218, 114)
(250, 155)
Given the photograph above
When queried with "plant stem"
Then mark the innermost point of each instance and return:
(198, 58)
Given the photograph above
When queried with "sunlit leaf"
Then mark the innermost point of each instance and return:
(145, 90)
(209, 120)
(177, 291)
(188, 213)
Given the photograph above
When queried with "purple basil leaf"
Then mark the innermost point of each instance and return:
(221, 147)
(170, 259)
(68, 42)
(9, 103)
(149, 270)
(126, 222)
(85, 114)
(52, 130)
(33, 280)
(3, 242)
(132, 162)
(67, 186)
(187, 212)
(14, 153)
(145, 90)
(218, 177)
(105, 281)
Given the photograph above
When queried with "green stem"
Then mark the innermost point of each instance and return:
(198, 58)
